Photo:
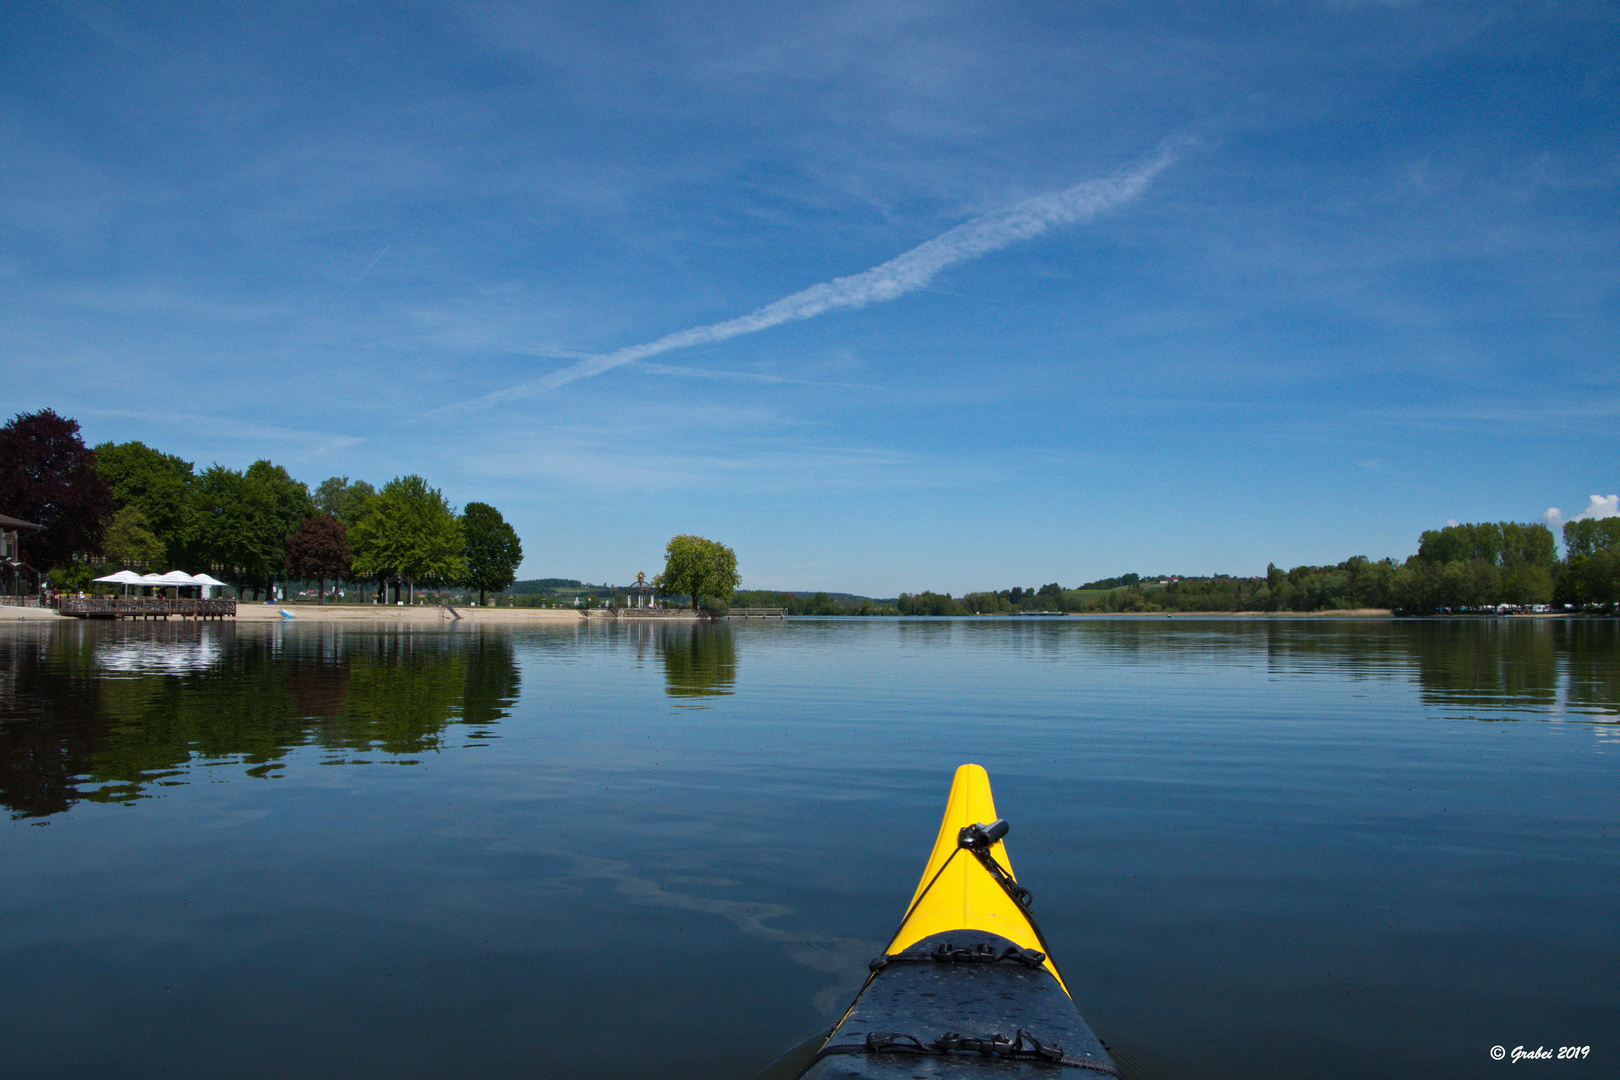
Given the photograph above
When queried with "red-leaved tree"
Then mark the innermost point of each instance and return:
(48, 476)
(319, 549)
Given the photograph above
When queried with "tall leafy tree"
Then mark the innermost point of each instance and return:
(128, 540)
(241, 521)
(700, 567)
(356, 503)
(409, 534)
(155, 483)
(493, 549)
(1592, 573)
(219, 514)
(48, 476)
(319, 549)
(344, 500)
(328, 494)
(1590, 536)
(283, 503)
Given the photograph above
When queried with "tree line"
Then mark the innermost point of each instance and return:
(132, 505)
(819, 603)
(1460, 568)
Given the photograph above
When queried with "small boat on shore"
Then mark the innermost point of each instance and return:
(967, 985)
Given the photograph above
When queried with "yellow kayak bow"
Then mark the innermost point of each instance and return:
(957, 890)
(967, 984)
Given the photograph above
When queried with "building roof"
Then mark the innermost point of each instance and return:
(18, 523)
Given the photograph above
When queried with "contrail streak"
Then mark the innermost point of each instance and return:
(364, 272)
(900, 275)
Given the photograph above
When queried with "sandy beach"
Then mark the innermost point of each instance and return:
(377, 614)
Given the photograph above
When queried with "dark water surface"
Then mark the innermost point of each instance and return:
(1259, 849)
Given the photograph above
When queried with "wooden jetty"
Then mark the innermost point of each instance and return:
(143, 607)
(756, 613)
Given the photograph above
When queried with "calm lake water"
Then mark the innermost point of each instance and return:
(1258, 848)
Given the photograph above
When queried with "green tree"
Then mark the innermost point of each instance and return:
(345, 501)
(283, 504)
(328, 495)
(240, 521)
(1528, 545)
(493, 549)
(1591, 574)
(158, 485)
(1591, 536)
(222, 524)
(699, 567)
(128, 539)
(409, 534)
(932, 603)
(1479, 566)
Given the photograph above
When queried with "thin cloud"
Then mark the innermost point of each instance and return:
(298, 444)
(903, 274)
(742, 376)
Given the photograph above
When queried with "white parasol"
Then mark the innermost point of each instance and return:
(126, 578)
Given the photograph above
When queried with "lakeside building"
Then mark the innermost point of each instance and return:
(17, 578)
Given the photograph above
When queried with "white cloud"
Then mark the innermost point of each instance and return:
(901, 275)
(1600, 506)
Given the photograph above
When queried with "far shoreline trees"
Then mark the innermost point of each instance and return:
(1459, 569)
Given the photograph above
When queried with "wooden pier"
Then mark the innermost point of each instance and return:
(143, 607)
(756, 613)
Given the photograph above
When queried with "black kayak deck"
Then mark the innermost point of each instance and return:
(909, 1007)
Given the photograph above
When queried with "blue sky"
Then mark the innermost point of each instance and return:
(887, 296)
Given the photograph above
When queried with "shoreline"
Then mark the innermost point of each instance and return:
(424, 615)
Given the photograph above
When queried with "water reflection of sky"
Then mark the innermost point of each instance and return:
(155, 656)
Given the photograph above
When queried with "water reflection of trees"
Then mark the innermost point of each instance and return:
(1481, 665)
(700, 659)
(106, 713)
(1488, 667)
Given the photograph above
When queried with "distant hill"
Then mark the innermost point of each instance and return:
(841, 597)
(545, 585)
